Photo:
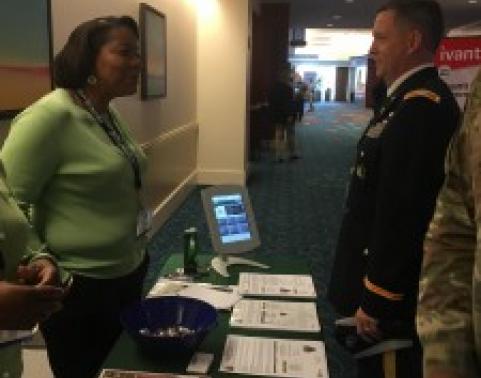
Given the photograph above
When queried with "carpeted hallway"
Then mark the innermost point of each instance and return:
(298, 206)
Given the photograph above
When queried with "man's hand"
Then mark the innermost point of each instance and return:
(39, 272)
(22, 306)
(366, 326)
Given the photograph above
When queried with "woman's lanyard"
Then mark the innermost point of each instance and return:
(114, 135)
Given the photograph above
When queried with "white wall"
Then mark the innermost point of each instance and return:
(223, 27)
(472, 29)
(199, 130)
(147, 118)
(167, 127)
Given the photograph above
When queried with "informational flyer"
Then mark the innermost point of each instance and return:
(276, 315)
(114, 373)
(8, 337)
(276, 285)
(274, 357)
(222, 297)
(221, 300)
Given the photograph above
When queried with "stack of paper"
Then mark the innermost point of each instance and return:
(220, 296)
(276, 285)
(279, 315)
(274, 357)
(167, 287)
(12, 337)
(221, 300)
(114, 373)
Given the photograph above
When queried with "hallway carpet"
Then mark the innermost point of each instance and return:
(298, 207)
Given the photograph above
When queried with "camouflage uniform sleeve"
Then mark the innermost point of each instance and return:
(449, 310)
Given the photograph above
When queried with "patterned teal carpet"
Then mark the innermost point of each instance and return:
(298, 207)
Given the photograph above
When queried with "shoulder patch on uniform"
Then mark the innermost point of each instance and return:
(426, 93)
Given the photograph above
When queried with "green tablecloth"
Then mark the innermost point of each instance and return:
(126, 355)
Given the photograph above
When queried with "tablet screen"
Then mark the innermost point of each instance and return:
(231, 217)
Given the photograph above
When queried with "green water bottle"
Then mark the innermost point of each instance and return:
(191, 247)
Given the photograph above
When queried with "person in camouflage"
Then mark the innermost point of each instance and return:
(449, 309)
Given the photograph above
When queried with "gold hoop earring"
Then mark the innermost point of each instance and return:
(91, 80)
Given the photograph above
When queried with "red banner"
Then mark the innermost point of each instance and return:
(459, 52)
(458, 60)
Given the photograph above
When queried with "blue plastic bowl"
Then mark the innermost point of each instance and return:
(164, 312)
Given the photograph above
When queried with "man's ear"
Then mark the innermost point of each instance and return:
(415, 41)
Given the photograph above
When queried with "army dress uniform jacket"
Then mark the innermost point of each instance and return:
(397, 174)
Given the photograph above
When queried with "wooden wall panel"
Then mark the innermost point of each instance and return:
(270, 49)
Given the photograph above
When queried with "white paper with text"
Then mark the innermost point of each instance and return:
(276, 285)
(275, 315)
(274, 357)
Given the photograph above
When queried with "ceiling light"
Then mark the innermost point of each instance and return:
(349, 1)
(330, 25)
(337, 17)
(472, 1)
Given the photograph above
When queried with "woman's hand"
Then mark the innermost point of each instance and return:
(39, 272)
(22, 306)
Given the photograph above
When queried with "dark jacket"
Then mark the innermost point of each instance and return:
(281, 102)
(395, 180)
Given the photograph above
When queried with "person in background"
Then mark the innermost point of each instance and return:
(75, 169)
(311, 89)
(282, 110)
(300, 99)
(449, 309)
(22, 305)
(397, 174)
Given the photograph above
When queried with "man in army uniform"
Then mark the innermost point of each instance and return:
(449, 312)
(397, 174)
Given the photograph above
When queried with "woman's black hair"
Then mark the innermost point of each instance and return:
(76, 61)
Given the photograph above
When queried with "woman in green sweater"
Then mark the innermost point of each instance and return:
(71, 161)
(21, 305)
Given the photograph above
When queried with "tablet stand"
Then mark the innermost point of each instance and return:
(220, 263)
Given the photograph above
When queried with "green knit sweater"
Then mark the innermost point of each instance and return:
(80, 186)
(13, 239)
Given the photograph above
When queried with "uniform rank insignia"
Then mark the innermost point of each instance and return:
(361, 171)
(430, 95)
(376, 130)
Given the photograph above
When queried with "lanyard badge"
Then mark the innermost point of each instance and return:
(144, 217)
(144, 221)
(114, 135)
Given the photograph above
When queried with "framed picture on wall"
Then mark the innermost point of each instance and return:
(153, 51)
(25, 54)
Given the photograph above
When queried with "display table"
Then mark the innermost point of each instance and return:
(126, 355)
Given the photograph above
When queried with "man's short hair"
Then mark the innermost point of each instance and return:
(424, 15)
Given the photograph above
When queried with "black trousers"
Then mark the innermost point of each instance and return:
(402, 363)
(299, 109)
(80, 336)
